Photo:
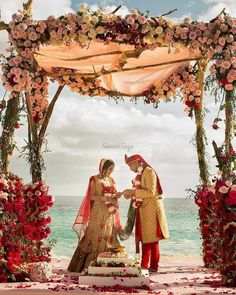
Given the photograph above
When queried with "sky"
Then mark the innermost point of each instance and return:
(83, 130)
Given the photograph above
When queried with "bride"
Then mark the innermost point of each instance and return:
(98, 218)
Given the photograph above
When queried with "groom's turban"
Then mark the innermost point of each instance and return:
(133, 158)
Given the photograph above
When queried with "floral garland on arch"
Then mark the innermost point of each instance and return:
(23, 226)
(216, 40)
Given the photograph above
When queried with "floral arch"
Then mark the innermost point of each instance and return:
(99, 54)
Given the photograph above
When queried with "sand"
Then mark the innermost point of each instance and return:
(177, 275)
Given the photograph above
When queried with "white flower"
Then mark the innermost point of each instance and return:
(41, 272)
(140, 169)
(94, 19)
(83, 7)
(136, 182)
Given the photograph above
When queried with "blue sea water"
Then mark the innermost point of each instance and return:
(181, 214)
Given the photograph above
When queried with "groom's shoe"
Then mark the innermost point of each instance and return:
(153, 270)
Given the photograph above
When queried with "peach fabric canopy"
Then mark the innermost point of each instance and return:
(132, 71)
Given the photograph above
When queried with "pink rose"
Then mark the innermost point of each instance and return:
(221, 41)
(223, 189)
(229, 87)
(130, 20)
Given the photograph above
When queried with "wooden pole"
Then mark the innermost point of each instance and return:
(9, 121)
(200, 132)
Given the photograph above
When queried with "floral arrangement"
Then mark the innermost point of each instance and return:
(186, 80)
(136, 182)
(216, 40)
(218, 219)
(110, 254)
(23, 226)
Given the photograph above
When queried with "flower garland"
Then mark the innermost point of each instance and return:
(136, 182)
(216, 39)
(109, 192)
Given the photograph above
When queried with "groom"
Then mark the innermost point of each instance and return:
(150, 221)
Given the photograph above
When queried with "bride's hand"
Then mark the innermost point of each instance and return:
(118, 195)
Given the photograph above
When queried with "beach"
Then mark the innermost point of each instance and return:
(177, 275)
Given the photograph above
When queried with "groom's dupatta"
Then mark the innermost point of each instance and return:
(125, 233)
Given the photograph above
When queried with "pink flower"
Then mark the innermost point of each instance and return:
(33, 36)
(229, 87)
(142, 19)
(233, 188)
(221, 41)
(130, 20)
(229, 38)
(226, 64)
(228, 183)
(223, 189)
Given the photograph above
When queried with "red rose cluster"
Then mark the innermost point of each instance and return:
(23, 226)
(217, 212)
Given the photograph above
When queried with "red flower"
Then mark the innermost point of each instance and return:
(231, 151)
(197, 106)
(4, 241)
(224, 81)
(215, 126)
(8, 207)
(201, 199)
(231, 198)
(3, 277)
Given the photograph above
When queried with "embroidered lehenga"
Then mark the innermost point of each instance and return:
(96, 223)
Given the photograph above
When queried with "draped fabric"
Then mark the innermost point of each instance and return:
(116, 70)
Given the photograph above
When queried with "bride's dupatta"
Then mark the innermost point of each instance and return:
(83, 216)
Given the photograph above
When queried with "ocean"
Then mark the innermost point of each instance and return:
(181, 215)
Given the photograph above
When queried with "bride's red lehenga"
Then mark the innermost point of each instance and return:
(96, 223)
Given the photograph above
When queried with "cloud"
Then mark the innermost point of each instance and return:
(41, 8)
(215, 7)
(84, 130)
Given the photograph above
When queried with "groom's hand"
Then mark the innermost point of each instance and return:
(128, 193)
